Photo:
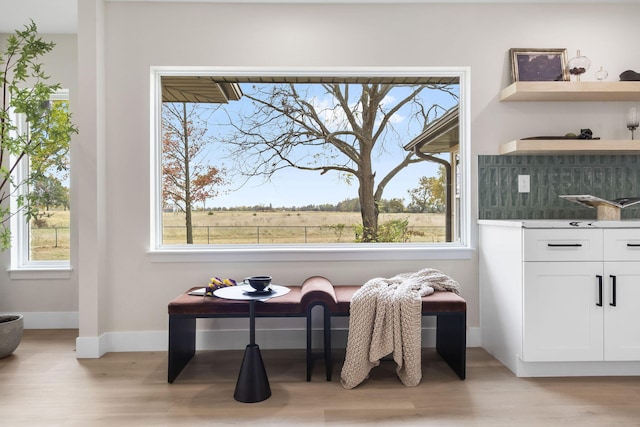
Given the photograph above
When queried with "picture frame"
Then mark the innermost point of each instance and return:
(539, 65)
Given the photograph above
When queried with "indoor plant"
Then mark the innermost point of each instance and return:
(11, 327)
(29, 130)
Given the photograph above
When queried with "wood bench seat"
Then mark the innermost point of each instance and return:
(450, 310)
(295, 303)
(185, 309)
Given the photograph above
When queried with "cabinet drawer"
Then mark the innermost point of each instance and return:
(563, 245)
(622, 244)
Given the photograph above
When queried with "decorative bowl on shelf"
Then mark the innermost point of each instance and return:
(629, 76)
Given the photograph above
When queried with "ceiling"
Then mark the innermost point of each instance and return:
(61, 16)
(51, 16)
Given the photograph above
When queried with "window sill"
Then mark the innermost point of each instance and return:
(40, 273)
(201, 253)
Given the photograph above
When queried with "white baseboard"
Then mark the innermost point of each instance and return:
(231, 339)
(94, 347)
(51, 320)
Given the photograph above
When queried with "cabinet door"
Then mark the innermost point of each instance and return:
(562, 318)
(622, 314)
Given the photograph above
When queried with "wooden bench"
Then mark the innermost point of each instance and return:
(185, 309)
(449, 309)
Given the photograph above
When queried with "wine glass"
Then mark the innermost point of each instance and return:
(632, 120)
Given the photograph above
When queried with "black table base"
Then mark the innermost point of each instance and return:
(253, 384)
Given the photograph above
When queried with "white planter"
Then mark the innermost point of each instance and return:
(11, 327)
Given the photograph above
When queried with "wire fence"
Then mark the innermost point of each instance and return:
(49, 243)
(259, 234)
(53, 243)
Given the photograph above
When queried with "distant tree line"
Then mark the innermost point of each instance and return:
(428, 197)
(348, 205)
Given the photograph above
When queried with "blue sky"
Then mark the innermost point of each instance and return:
(291, 187)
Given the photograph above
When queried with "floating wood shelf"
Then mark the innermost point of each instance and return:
(570, 146)
(571, 91)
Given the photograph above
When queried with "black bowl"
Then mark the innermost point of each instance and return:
(259, 283)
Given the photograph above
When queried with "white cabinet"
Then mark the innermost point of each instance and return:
(562, 295)
(576, 299)
(622, 311)
(561, 319)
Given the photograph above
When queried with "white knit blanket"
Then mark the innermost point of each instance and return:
(385, 317)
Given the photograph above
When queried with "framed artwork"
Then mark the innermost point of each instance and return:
(539, 65)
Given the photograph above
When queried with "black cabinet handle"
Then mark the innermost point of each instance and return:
(633, 245)
(613, 290)
(599, 303)
(564, 245)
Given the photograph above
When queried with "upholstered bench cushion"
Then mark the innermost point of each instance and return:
(294, 303)
(199, 305)
(318, 290)
(438, 302)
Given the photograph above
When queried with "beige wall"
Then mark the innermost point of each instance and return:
(130, 293)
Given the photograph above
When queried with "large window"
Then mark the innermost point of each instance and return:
(41, 229)
(338, 159)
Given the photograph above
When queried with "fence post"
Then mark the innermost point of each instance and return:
(56, 234)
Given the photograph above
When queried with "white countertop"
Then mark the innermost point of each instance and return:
(561, 223)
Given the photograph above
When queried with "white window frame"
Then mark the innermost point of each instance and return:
(21, 266)
(297, 252)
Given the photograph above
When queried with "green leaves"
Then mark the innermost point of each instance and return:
(31, 125)
(20, 57)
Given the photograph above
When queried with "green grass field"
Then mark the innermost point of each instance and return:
(51, 242)
(279, 227)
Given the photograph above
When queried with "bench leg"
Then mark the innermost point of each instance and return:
(309, 349)
(182, 344)
(451, 341)
(326, 344)
(328, 364)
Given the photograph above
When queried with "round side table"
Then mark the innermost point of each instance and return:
(253, 384)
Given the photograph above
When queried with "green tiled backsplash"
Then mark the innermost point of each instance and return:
(607, 176)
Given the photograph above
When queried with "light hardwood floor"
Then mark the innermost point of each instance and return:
(43, 384)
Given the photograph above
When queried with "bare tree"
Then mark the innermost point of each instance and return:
(289, 129)
(186, 176)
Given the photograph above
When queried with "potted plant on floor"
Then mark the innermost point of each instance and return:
(11, 327)
(29, 130)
